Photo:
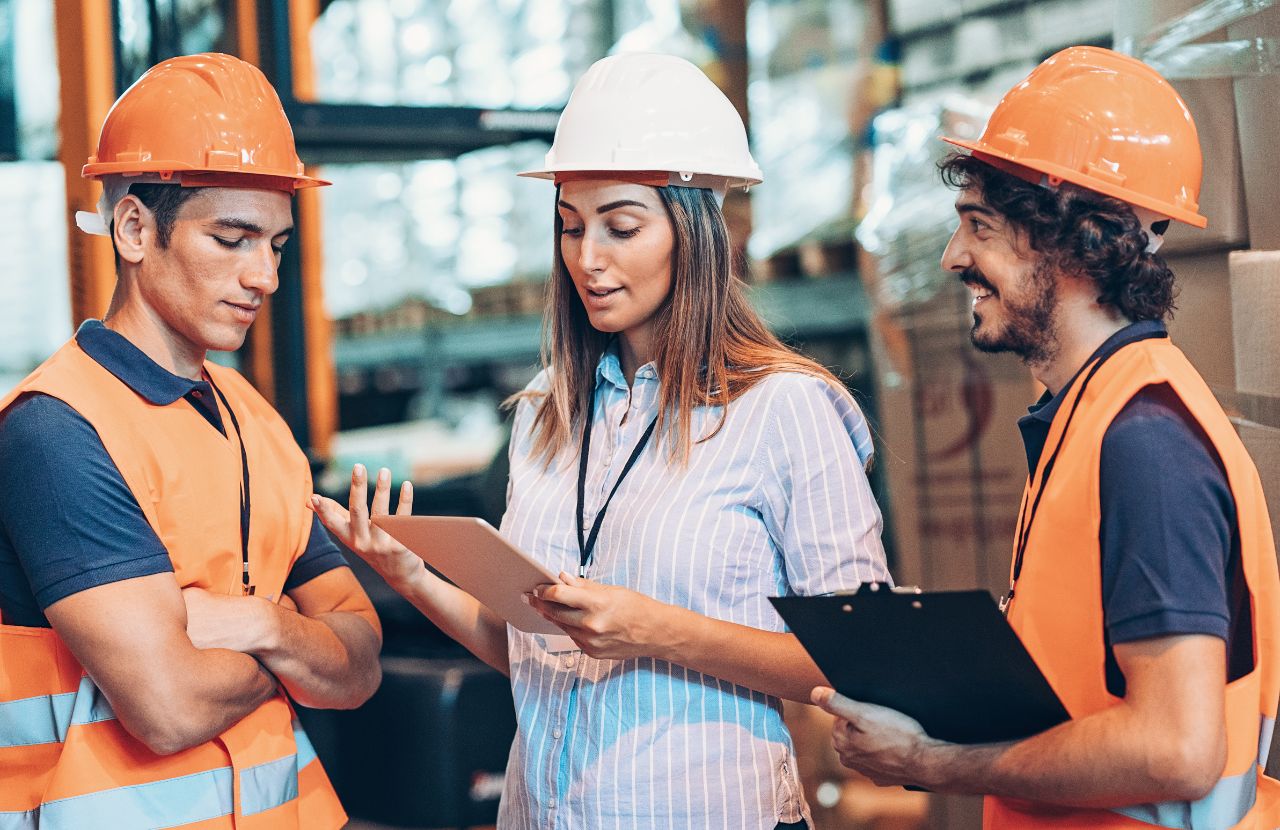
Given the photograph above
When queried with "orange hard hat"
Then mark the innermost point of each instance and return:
(1104, 121)
(207, 120)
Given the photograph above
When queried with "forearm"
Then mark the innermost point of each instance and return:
(769, 662)
(329, 661)
(1105, 760)
(207, 692)
(460, 615)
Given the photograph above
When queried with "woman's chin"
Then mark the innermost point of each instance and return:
(605, 323)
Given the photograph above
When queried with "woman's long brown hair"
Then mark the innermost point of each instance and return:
(710, 347)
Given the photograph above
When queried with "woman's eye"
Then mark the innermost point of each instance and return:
(624, 233)
(571, 231)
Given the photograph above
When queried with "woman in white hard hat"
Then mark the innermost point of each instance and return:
(729, 469)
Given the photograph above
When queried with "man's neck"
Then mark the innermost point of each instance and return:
(1082, 329)
(155, 339)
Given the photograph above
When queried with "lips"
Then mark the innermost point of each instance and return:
(977, 284)
(244, 312)
(600, 296)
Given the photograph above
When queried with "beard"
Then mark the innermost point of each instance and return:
(1029, 328)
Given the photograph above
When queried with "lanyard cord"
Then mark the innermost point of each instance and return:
(244, 489)
(1028, 517)
(587, 544)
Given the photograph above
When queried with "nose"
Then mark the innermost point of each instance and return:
(591, 256)
(956, 256)
(260, 272)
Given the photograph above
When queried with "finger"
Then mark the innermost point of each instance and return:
(333, 516)
(561, 615)
(382, 494)
(356, 504)
(404, 506)
(569, 595)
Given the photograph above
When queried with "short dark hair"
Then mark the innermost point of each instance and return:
(1079, 232)
(164, 201)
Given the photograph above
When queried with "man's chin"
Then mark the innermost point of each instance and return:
(986, 341)
(229, 342)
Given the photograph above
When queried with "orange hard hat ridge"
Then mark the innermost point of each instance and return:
(1104, 121)
(212, 119)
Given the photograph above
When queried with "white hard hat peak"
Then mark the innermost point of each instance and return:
(646, 112)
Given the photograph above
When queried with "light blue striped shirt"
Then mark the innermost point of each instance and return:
(776, 503)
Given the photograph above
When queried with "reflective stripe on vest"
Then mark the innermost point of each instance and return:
(174, 801)
(45, 719)
(1225, 806)
(1264, 740)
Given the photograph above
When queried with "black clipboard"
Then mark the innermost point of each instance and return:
(948, 659)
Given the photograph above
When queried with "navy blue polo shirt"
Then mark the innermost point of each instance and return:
(68, 521)
(1169, 534)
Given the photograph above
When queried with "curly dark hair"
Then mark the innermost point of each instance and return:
(1078, 232)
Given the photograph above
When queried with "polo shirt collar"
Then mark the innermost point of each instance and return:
(1045, 408)
(132, 366)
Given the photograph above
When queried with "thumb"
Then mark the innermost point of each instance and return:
(831, 701)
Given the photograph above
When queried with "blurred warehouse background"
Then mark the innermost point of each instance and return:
(410, 302)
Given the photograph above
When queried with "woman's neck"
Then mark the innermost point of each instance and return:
(635, 349)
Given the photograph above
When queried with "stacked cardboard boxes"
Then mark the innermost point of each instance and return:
(1255, 305)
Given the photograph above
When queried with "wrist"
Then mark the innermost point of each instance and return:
(415, 581)
(671, 632)
(940, 763)
(265, 627)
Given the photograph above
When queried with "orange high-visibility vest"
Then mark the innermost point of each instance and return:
(1058, 613)
(66, 763)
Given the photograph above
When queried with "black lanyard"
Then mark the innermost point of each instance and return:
(587, 544)
(244, 490)
(1028, 517)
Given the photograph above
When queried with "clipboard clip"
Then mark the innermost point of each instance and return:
(876, 587)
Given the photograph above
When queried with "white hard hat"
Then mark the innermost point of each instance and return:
(637, 113)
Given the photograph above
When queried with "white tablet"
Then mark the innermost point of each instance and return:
(475, 557)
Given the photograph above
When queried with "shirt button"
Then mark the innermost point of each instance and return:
(568, 661)
(556, 733)
(196, 393)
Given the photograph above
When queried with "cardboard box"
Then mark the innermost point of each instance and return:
(950, 447)
(1222, 188)
(1258, 122)
(1212, 106)
(1255, 307)
(1263, 444)
(1202, 325)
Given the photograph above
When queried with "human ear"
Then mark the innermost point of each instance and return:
(133, 228)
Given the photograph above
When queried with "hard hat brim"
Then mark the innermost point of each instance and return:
(736, 179)
(194, 177)
(1034, 169)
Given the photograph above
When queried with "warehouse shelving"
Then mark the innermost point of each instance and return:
(834, 305)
